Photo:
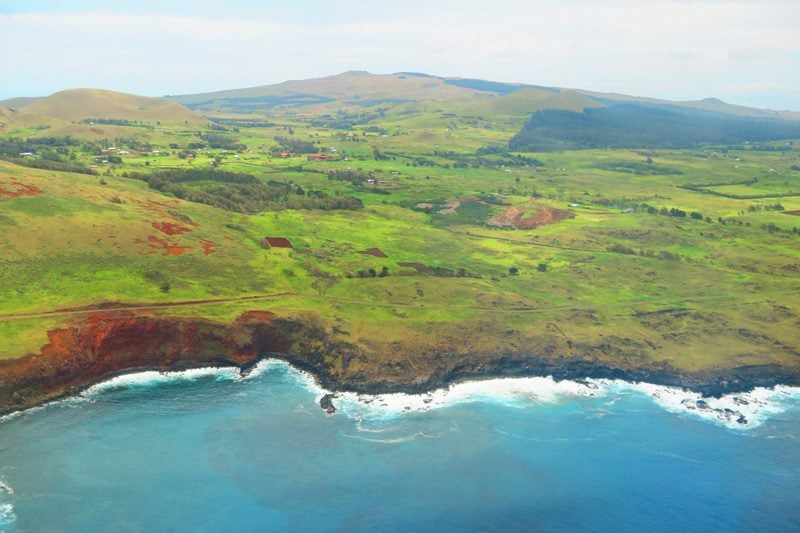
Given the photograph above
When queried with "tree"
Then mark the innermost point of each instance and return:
(541, 267)
(513, 271)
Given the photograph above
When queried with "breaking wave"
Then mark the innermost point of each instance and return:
(737, 411)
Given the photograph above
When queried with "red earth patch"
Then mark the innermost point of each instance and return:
(18, 189)
(170, 228)
(157, 245)
(517, 217)
(208, 246)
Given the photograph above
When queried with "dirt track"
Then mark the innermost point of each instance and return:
(112, 307)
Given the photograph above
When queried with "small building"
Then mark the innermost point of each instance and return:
(276, 242)
(285, 155)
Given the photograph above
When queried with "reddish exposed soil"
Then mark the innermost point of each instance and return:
(208, 246)
(795, 213)
(170, 228)
(106, 343)
(16, 189)
(278, 242)
(157, 245)
(164, 210)
(515, 217)
(374, 252)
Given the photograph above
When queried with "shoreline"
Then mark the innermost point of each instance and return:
(739, 410)
(328, 397)
(107, 345)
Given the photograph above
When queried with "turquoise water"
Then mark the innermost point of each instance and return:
(207, 451)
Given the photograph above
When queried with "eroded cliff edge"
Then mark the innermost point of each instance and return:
(104, 344)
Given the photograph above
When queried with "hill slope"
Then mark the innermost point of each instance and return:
(81, 104)
(10, 119)
(363, 89)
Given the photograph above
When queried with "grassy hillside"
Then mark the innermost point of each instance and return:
(684, 259)
(84, 104)
(356, 88)
(19, 102)
(11, 120)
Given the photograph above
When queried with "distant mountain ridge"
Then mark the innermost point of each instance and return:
(532, 117)
(363, 89)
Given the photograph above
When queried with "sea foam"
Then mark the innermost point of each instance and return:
(153, 378)
(737, 411)
(7, 515)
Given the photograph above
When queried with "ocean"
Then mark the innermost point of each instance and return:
(209, 450)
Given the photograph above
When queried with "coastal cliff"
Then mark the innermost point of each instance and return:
(105, 344)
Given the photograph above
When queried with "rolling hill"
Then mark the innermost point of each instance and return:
(363, 89)
(11, 119)
(83, 104)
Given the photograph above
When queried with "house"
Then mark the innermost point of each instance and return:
(285, 155)
(321, 157)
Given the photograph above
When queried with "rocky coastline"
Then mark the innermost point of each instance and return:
(107, 344)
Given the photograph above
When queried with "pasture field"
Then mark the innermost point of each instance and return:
(647, 270)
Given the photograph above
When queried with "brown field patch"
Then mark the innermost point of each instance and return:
(374, 252)
(15, 189)
(170, 228)
(795, 212)
(419, 267)
(529, 217)
(277, 242)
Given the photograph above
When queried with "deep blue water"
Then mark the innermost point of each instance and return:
(210, 453)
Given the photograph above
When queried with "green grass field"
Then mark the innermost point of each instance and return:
(598, 279)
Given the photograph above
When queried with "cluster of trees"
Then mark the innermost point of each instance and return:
(342, 120)
(768, 207)
(641, 168)
(626, 250)
(369, 273)
(222, 142)
(636, 125)
(356, 177)
(51, 153)
(48, 164)
(236, 123)
(488, 156)
(671, 212)
(109, 121)
(295, 146)
(243, 193)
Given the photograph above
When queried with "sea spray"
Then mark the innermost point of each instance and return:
(744, 410)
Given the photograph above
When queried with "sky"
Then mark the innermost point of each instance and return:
(742, 51)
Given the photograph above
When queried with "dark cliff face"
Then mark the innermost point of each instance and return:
(105, 344)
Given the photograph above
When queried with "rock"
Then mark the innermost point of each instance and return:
(326, 402)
